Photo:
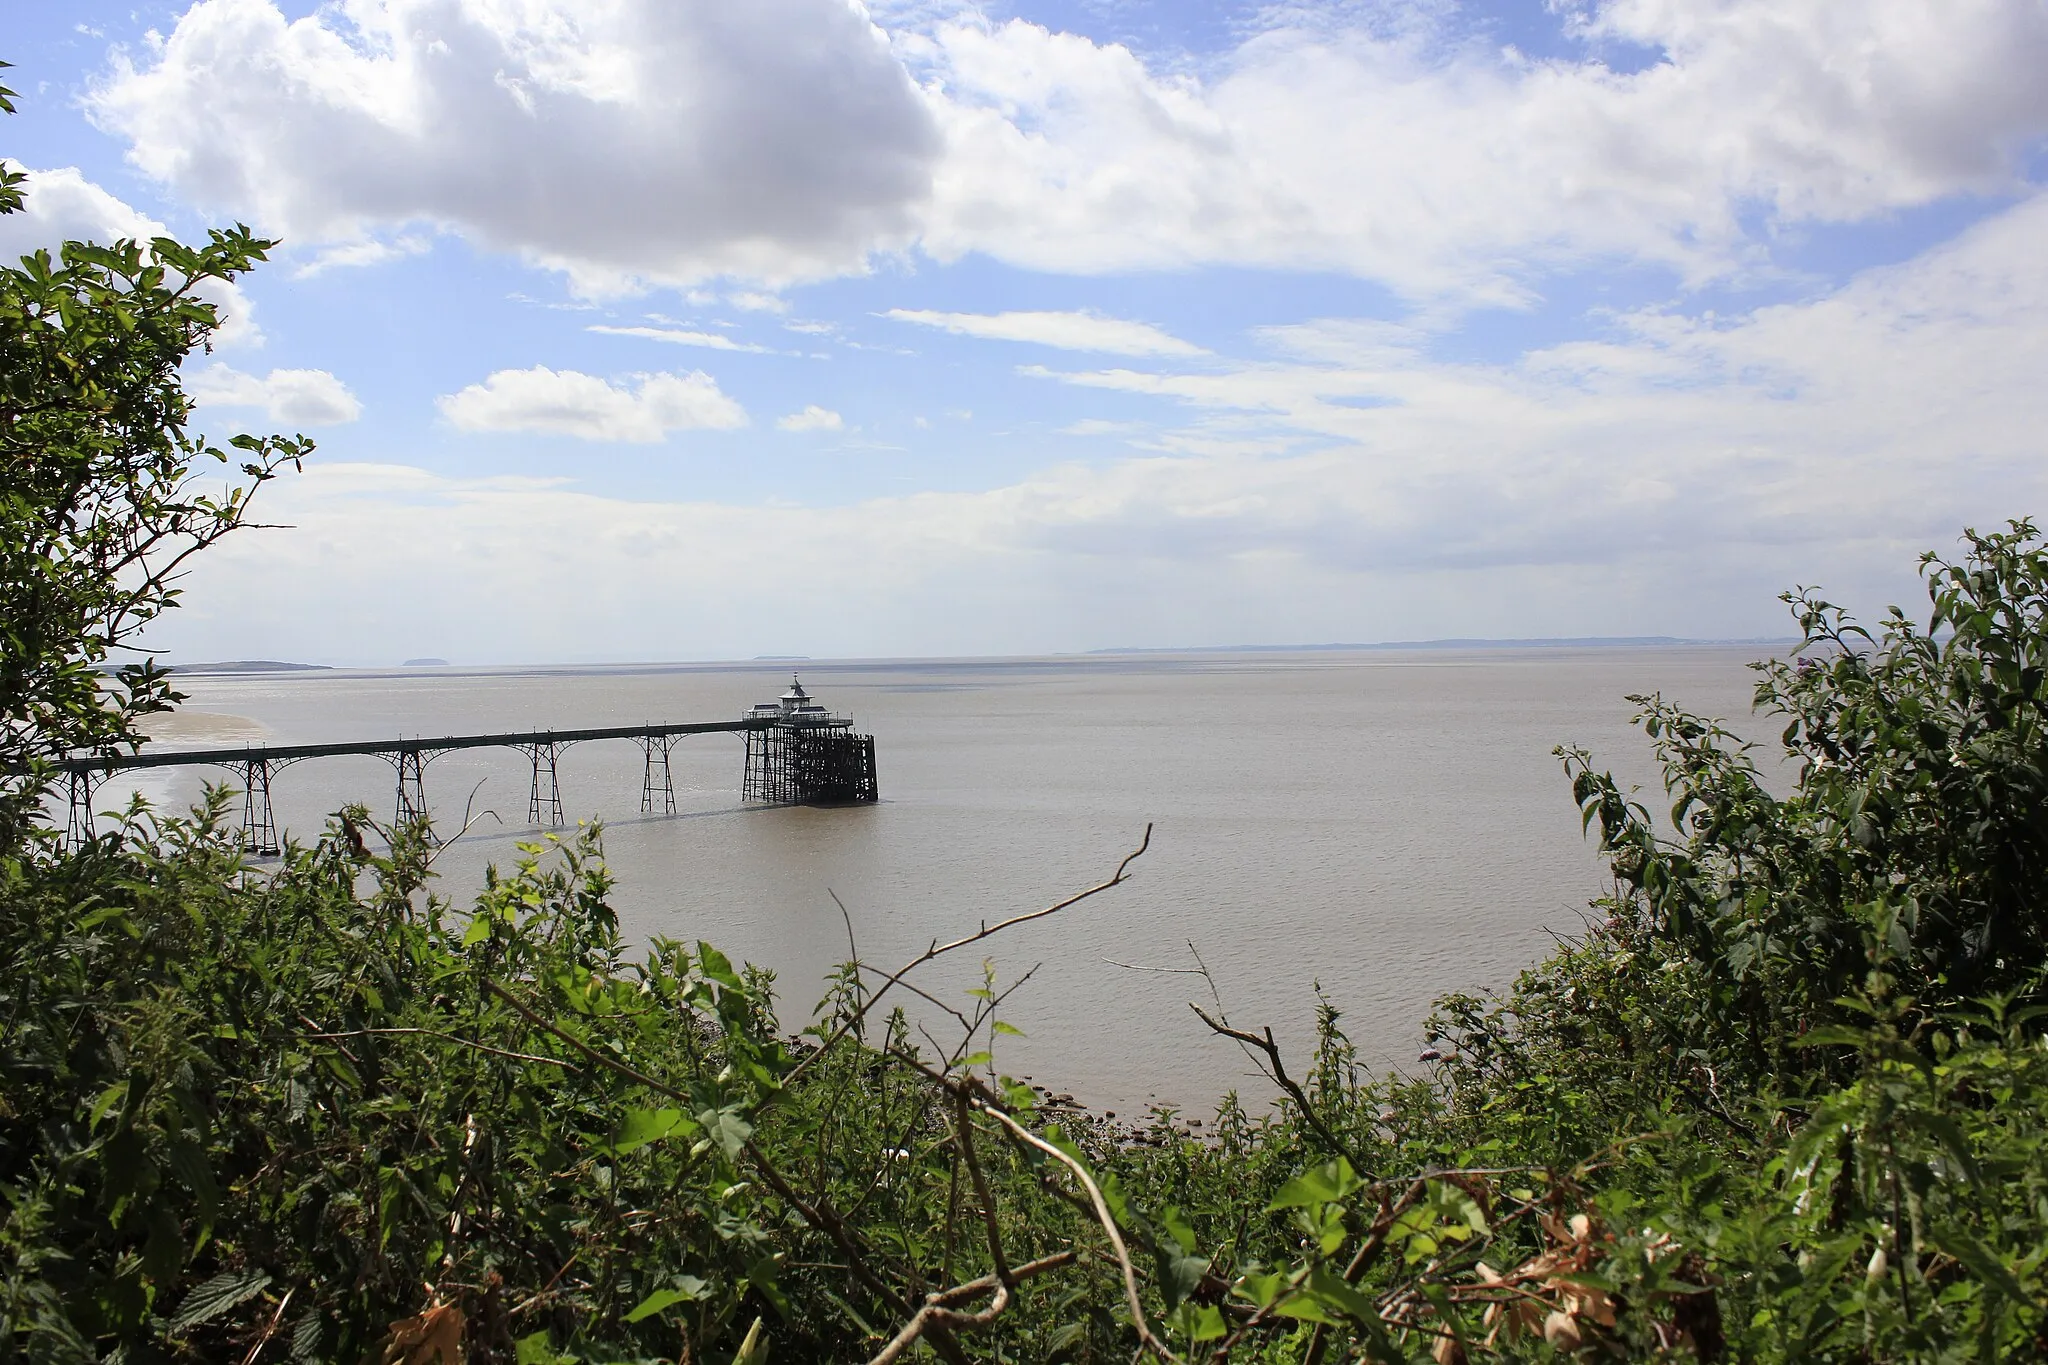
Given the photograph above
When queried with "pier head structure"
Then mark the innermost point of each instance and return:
(797, 753)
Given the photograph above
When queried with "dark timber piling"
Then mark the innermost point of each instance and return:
(805, 755)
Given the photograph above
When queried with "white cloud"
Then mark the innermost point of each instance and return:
(354, 255)
(62, 205)
(755, 302)
(1096, 426)
(309, 398)
(812, 418)
(1669, 478)
(678, 336)
(1068, 331)
(676, 140)
(569, 403)
(1447, 166)
(664, 140)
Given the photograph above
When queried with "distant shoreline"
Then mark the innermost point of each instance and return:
(1541, 642)
(769, 663)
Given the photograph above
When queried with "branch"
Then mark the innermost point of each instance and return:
(444, 1037)
(1102, 1216)
(938, 949)
(1277, 1073)
(981, 1194)
(938, 1308)
(822, 1217)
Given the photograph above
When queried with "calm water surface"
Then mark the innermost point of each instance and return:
(1385, 825)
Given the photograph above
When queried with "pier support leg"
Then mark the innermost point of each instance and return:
(78, 830)
(544, 806)
(412, 786)
(657, 784)
(767, 775)
(259, 825)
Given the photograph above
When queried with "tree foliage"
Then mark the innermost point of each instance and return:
(100, 503)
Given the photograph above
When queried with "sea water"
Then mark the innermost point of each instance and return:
(1369, 828)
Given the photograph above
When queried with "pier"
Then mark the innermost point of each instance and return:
(797, 753)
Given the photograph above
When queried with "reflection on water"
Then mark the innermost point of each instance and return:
(1381, 826)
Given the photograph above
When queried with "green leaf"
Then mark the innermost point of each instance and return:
(727, 1129)
(642, 1126)
(716, 966)
(1981, 1260)
(1334, 1293)
(1202, 1321)
(1177, 1227)
(221, 1294)
(1324, 1184)
(1000, 1027)
(1260, 1287)
(655, 1302)
(537, 1349)
(754, 1349)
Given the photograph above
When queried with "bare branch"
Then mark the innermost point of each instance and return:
(1276, 1071)
(937, 950)
(965, 1130)
(1102, 1216)
(471, 1043)
(939, 1308)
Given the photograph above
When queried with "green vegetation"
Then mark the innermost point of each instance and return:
(1784, 1102)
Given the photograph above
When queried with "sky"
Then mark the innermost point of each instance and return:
(684, 329)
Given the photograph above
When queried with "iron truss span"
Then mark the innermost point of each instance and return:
(802, 782)
(171, 758)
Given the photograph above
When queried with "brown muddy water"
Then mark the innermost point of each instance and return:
(1382, 826)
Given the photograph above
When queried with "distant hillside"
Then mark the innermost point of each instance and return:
(248, 666)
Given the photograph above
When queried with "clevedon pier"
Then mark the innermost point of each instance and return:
(797, 753)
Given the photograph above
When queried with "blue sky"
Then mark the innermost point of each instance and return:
(636, 329)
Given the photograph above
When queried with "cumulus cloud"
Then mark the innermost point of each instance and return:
(306, 398)
(1668, 477)
(812, 418)
(62, 205)
(674, 140)
(1445, 165)
(646, 407)
(1068, 331)
(664, 140)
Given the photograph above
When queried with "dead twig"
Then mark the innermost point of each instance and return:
(270, 1328)
(937, 950)
(939, 1308)
(988, 1207)
(1276, 1071)
(1102, 1216)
